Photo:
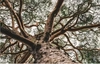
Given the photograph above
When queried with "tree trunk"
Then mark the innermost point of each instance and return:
(50, 54)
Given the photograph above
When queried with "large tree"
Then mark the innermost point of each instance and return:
(50, 31)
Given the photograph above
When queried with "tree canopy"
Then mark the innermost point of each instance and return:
(50, 31)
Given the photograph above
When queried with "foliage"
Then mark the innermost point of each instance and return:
(73, 27)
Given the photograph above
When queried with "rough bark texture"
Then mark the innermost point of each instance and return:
(51, 54)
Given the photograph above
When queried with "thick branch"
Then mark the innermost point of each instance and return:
(49, 22)
(7, 32)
